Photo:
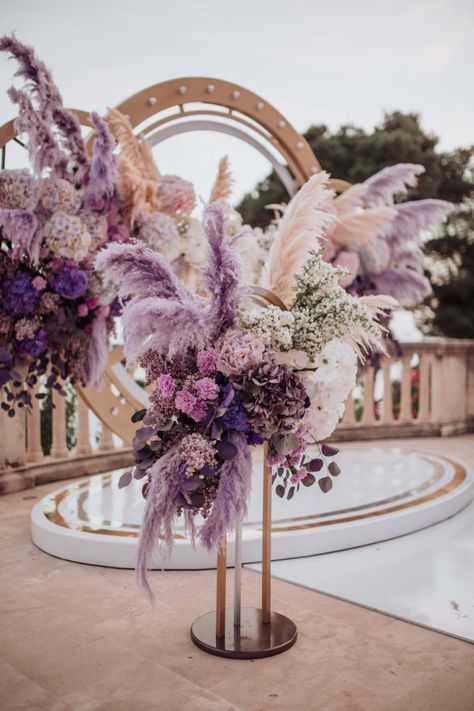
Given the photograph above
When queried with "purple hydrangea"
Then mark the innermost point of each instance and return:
(69, 281)
(33, 347)
(20, 298)
(235, 417)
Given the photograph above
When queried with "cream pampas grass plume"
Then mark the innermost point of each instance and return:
(137, 170)
(361, 229)
(307, 219)
(222, 188)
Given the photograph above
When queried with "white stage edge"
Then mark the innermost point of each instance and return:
(381, 494)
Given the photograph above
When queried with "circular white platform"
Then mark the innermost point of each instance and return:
(381, 494)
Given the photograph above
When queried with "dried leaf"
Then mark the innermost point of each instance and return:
(334, 468)
(315, 465)
(325, 484)
(125, 480)
(329, 451)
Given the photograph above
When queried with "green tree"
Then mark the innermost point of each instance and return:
(354, 154)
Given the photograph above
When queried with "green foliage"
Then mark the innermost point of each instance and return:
(46, 419)
(450, 309)
(354, 154)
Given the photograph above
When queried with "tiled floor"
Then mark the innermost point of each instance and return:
(425, 577)
(83, 638)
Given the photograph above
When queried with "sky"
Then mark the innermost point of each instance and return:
(317, 62)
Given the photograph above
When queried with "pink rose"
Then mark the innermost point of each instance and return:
(206, 389)
(82, 310)
(166, 385)
(39, 283)
(92, 302)
(185, 401)
(104, 311)
(206, 360)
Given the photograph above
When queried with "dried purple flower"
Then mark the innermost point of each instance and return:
(273, 397)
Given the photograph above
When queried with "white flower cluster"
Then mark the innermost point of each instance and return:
(273, 326)
(328, 387)
(322, 311)
(160, 232)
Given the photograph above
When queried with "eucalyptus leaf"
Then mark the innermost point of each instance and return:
(328, 450)
(308, 480)
(334, 468)
(325, 484)
(125, 480)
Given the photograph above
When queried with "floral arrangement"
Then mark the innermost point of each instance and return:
(158, 209)
(55, 314)
(223, 379)
(378, 241)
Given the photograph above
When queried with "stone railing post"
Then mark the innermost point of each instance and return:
(387, 409)
(83, 445)
(59, 448)
(368, 414)
(405, 390)
(34, 450)
(106, 442)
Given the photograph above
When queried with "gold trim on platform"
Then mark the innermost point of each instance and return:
(53, 514)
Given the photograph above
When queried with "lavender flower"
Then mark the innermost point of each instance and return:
(197, 452)
(69, 281)
(33, 347)
(20, 298)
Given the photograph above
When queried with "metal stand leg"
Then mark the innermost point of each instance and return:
(255, 632)
(266, 541)
(237, 573)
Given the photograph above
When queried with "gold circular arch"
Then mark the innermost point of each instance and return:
(236, 105)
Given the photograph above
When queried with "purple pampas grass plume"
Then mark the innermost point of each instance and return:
(167, 476)
(230, 505)
(415, 217)
(41, 143)
(222, 275)
(407, 286)
(22, 229)
(382, 187)
(103, 169)
(134, 269)
(96, 359)
(50, 110)
(166, 326)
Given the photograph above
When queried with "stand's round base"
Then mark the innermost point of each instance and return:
(253, 639)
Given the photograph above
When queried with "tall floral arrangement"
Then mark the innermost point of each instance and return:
(222, 380)
(55, 314)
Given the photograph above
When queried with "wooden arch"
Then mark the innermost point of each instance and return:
(227, 107)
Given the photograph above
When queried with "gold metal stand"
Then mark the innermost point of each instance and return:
(245, 633)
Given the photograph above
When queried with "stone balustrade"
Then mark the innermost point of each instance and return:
(428, 391)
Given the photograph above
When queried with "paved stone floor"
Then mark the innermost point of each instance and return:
(83, 638)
